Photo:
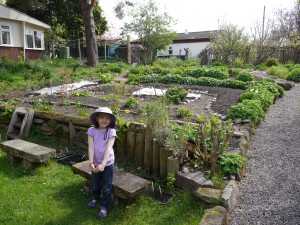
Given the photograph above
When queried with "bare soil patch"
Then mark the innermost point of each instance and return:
(212, 100)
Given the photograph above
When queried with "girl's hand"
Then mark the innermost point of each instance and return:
(100, 168)
(93, 168)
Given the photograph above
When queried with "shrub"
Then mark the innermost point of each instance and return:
(230, 163)
(271, 86)
(294, 75)
(244, 76)
(247, 109)
(105, 77)
(131, 101)
(176, 95)
(272, 62)
(115, 68)
(185, 113)
(278, 71)
(265, 97)
(238, 63)
(230, 83)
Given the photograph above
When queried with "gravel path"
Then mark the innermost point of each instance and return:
(271, 187)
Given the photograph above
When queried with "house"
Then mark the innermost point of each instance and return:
(20, 35)
(188, 44)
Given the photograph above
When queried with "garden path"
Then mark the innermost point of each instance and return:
(271, 187)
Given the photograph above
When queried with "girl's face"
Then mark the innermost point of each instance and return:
(103, 120)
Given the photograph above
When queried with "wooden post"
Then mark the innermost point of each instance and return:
(165, 153)
(130, 145)
(156, 158)
(128, 49)
(148, 155)
(140, 147)
(172, 165)
(121, 148)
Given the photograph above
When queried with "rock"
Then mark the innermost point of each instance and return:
(237, 120)
(246, 121)
(223, 117)
(185, 169)
(215, 216)
(286, 85)
(208, 195)
(237, 134)
(230, 195)
(190, 181)
(208, 184)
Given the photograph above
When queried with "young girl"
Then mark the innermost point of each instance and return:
(101, 139)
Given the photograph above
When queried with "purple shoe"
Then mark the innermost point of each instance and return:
(102, 213)
(92, 204)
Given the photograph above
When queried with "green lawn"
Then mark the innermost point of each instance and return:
(52, 194)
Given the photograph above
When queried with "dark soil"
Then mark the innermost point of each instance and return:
(220, 98)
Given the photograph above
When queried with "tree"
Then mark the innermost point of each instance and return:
(288, 25)
(90, 35)
(152, 28)
(229, 43)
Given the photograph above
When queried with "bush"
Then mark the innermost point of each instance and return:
(105, 77)
(176, 95)
(184, 113)
(230, 163)
(244, 76)
(274, 88)
(294, 75)
(131, 101)
(247, 109)
(278, 71)
(272, 62)
(265, 97)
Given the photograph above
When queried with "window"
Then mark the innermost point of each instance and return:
(5, 35)
(170, 51)
(33, 39)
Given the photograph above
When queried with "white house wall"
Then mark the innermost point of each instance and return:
(16, 30)
(178, 49)
(16, 33)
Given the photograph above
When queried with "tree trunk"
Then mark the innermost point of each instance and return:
(90, 35)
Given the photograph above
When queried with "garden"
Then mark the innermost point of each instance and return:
(191, 108)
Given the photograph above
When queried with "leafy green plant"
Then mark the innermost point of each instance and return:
(122, 127)
(294, 75)
(219, 133)
(272, 62)
(185, 113)
(65, 102)
(8, 111)
(156, 116)
(171, 179)
(265, 97)
(42, 105)
(176, 95)
(80, 110)
(278, 71)
(105, 77)
(230, 163)
(131, 101)
(244, 76)
(247, 109)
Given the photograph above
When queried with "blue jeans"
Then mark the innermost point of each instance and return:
(103, 182)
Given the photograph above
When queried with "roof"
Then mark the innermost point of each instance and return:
(12, 14)
(190, 36)
(196, 35)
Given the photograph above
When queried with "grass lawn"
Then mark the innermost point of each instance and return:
(52, 194)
